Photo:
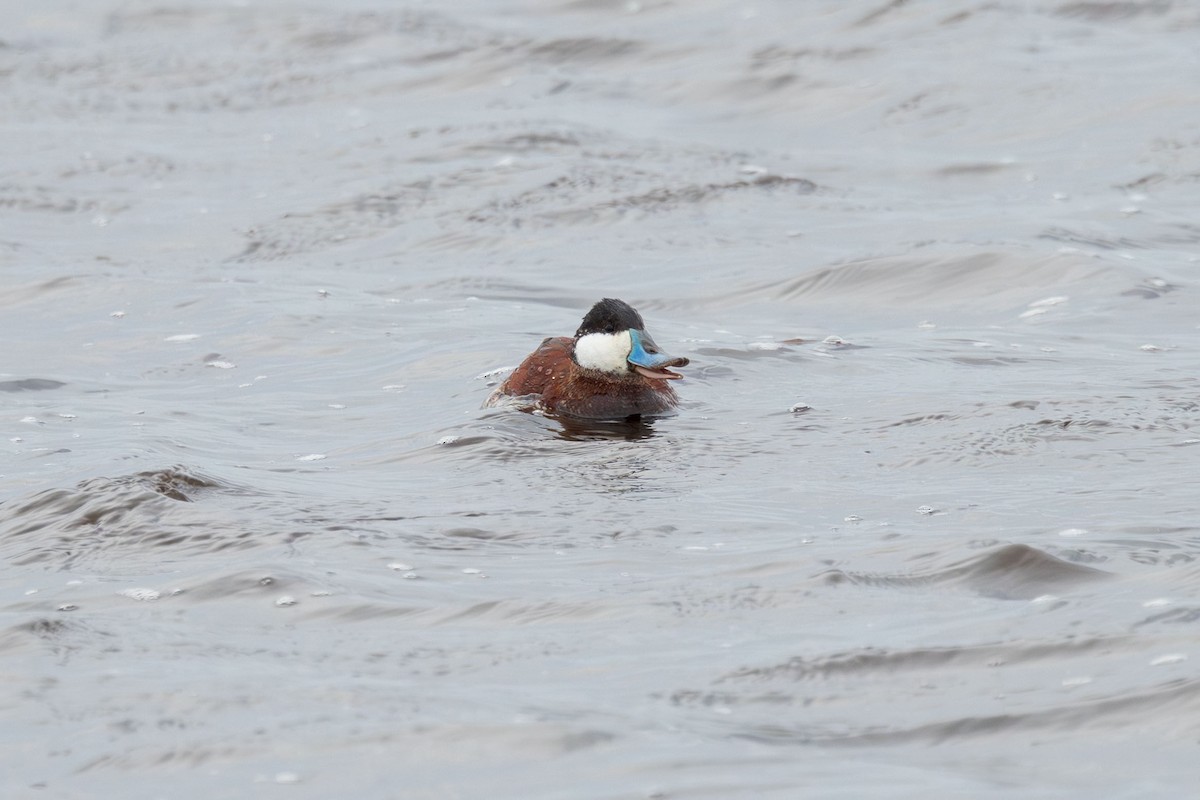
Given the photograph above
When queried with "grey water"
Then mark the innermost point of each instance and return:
(926, 523)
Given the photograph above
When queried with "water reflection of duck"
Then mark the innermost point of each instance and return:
(610, 370)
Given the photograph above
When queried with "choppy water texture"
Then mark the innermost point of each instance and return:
(927, 523)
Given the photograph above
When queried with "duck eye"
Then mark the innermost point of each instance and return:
(610, 328)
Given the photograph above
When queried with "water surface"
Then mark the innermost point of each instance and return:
(926, 523)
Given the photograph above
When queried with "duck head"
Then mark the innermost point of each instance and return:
(612, 338)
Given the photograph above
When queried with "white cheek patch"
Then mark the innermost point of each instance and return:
(605, 352)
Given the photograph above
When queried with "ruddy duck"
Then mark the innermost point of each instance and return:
(610, 370)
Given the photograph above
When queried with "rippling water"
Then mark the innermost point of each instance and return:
(926, 523)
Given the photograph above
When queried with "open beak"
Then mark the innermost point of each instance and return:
(646, 358)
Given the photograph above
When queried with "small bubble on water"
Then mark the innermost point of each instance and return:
(400, 566)
(286, 600)
(800, 408)
(926, 510)
(311, 457)
(1170, 658)
(1043, 599)
(286, 777)
(140, 594)
(1061, 196)
(1150, 348)
(1080, 680)
(337, 406)
(32, 421)
(68, 607)
(492, 373)
(16, 440)
(221, 364)
(320, 593)
(182, 337)
(473, 571)
(764, 346)
(1129, 211)
(394, 387)
(753, 169)
(31, 591)
(852, 518)
(1073, 532)
(833, 341)
(926, 325)
(117, 314)
(322, 293)
(447, 440)
(1157, 602)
